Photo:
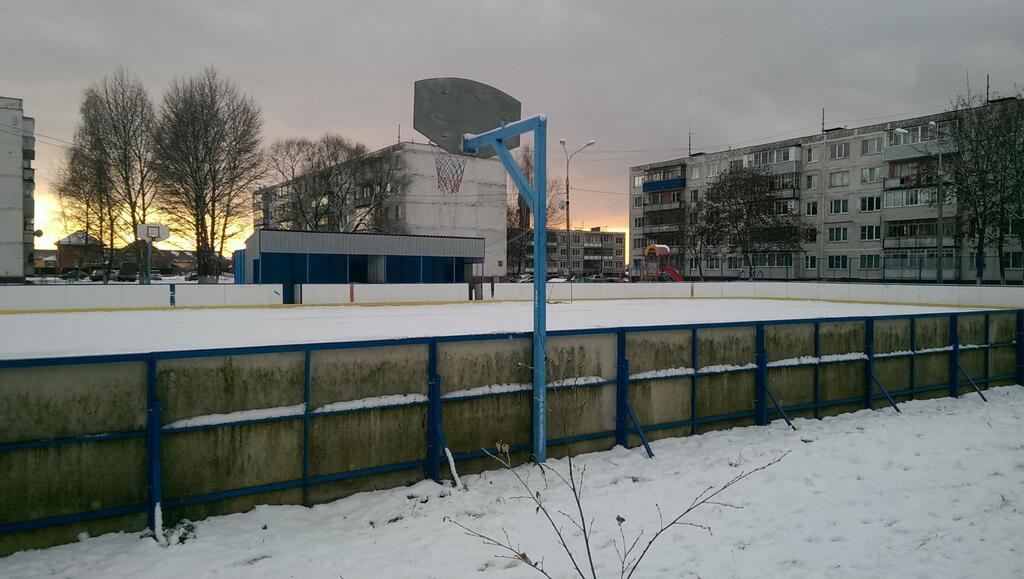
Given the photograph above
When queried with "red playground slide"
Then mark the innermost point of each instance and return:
(672, 272)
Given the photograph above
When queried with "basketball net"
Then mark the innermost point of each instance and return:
(449, 171)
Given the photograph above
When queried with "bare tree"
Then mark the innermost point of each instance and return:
(117, 135)
(986, 173)
(83, 195)
(376, 179)
(207, 139)
(703, 234)
(751, 218)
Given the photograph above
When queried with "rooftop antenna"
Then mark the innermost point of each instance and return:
(399, 132)
(986, 88)
(689, 139)
(823, 120)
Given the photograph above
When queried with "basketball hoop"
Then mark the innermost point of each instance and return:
(450, 169)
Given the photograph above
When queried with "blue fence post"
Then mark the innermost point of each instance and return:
(693, 381)
(153, 426)
(954, 356)
(433, 462)
(869, 365)
(761, 378)
(306, 416)
(621, 391)
(1020, 347)
(913, 355)
(817, 370)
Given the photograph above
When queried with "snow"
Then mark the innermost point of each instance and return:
(935, 492)
(59, 334)
(372, 402)
(517, 387)
(239, 416)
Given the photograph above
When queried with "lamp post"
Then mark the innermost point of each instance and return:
(568, 234)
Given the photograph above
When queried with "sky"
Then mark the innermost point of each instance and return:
(637, 77)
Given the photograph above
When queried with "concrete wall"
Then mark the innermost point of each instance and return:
(71, 296)
(681, 382)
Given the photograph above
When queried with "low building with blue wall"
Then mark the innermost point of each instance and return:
(304, 257)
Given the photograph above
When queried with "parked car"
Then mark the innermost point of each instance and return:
(129, 271)
(75, 275)
(96, 275)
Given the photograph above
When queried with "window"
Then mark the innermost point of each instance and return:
(694, 195)
(638, 181)
(575, 265)
(638, 222)
(871, 146)
(737, 164)
(910, 197)
(663, 174)
(638, 243)
(618, 253)
(837, 234)
(839, 150)
(868, 204)
(918, 228)
(871, 175)
(811, 208)
(810, 262)
(769, 157)
(714, 169)
(694, 171)
(872, 261)
(676, 195)
(811, 182)
(811, 155)
(839, 206)
(575, 252)
(870, 232)
(638, 201)
(839, 179)
(713, 263)
(1013, 260)
(784, 207)
(784, 181)
(911, 136)
(837, 262)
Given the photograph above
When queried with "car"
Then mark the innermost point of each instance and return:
(75, 275)
(192, 276)
(96, 275)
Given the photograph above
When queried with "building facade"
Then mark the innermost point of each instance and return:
(17, 191)
(408, 198)
(580, 252)
(870, 192)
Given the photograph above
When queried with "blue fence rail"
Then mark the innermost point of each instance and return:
(766, 407)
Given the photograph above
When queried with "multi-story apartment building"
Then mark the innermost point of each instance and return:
(405, 197)
(17, 191)
(581, 252)
(870, 192)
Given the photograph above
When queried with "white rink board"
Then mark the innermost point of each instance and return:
(110, 332)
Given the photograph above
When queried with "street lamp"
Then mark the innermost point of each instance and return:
(568, 234)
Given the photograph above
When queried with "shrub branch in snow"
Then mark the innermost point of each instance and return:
(570, 412)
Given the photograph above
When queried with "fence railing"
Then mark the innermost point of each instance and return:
(750, 373)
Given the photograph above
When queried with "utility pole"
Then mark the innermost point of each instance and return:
(940, 195)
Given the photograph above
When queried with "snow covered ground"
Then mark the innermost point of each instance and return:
(935, 492)
(83, 333)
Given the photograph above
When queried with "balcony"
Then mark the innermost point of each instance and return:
(915, 242)
(662, 228)
(28, 175)
(663, 206)
(791, 166)
(918, 150)
(664, 185)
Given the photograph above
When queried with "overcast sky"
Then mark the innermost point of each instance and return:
(632, 75)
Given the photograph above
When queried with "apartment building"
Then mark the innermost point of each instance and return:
(399, 190)
(581, 253)
(17, 191)
(870, 192)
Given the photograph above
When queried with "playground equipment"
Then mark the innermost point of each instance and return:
(656, 266)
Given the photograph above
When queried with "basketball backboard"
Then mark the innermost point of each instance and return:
(152, 231)
(444, 109)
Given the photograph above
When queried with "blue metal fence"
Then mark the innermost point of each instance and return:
(765, 408)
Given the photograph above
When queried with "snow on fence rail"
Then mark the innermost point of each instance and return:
(15, 298)
(188, 434)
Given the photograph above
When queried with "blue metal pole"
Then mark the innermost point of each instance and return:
(306, 394)
(693, 381)
(433, 466)
(153, 426)
(1020, 347)
(540, 269)
(761, 378)
(817, 370)
(149, 262)
(621, 390)
(869, 365)
(954, 356)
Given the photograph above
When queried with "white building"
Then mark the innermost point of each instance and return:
(17, 191)
(416, 202)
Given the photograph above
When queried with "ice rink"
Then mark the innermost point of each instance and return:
(108, 332)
